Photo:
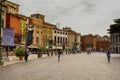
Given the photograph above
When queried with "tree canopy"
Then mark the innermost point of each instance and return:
(115, 28)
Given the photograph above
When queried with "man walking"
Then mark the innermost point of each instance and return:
(59, 53)
(108, 54)
(26, 55)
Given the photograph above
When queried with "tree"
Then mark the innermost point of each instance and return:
(114, 28)
(41, 48)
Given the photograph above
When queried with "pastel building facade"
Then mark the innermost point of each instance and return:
(115, 42)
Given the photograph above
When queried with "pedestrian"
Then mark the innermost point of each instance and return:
(38, 52)
(55, 51)
(108, 54)
(26, 55)
(73, 51)
(66, 52)
(59, 53)
(89, 50)
(48, 52)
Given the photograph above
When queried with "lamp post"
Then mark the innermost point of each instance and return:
(1, 1)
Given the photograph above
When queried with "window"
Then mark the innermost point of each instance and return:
(37, 39)
(55, 38)
(37, 32)
(58, 39)
(37, 17)
(37, 27)
(66, 40)
(61, 39)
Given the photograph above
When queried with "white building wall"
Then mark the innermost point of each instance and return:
(115, 42)
(58, 34)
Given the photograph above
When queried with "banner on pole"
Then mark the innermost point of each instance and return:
(8, 37)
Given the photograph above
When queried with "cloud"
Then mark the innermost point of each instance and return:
(85, 16)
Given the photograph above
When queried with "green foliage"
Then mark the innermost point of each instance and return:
(1, 62)
(114, 28)
(19, 51)
(53, 43)
(41, 47)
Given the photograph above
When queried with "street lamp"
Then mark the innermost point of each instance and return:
(29, 34)
(1, 1)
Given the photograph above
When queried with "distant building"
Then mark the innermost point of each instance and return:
(88, 41)
(103, 43)
(115, 42)
(60, 38)
(74, 39)
(114, 32)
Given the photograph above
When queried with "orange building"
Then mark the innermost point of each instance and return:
(103, 43)
(13, 21)
(37, 26)
(42, 30)
(88, 41)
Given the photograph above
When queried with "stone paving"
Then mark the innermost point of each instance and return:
(71, 67)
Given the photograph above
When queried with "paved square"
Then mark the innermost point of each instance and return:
(71, 67)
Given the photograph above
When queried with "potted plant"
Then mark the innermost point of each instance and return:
(41, 49)
(19, 52)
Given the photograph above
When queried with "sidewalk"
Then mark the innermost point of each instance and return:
(14, 59)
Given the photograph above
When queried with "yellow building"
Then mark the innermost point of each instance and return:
(47, 33)
(23, 25)
(12, 7)
(74, 40)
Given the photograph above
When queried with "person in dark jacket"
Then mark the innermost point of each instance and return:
(26, 55)
(108, 54)
(59, 53)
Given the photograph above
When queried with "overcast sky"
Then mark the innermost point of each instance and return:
(84, 16)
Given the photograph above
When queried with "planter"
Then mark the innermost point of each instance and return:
(51, 54)
(48, 54)
(19, 52)
(21, 57)
(40, 54)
